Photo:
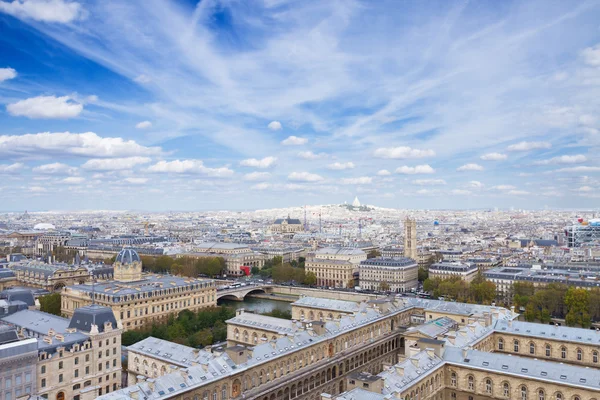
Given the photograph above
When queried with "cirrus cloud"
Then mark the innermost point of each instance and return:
(566, 159)
(419, 169)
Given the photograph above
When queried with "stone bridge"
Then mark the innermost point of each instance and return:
(239, 293)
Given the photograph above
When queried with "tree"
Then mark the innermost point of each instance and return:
(50, 303)
(163, 264)
(148, 263)
(577, 302)
(310, 278)
(423, 274)
(374, 253)
(255, 271)
(384, 286)
(350, 284)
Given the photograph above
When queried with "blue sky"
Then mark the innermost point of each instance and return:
(165, 105)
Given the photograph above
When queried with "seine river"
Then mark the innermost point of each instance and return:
(258, 305)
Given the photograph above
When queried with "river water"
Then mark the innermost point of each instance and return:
(257, 305)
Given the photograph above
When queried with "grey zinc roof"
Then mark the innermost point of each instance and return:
(562, 333)
(435, 328)
(127, 256)
(327, 304)
(214, 246)
(84, 317)
(360, 394)
(349, 251)
(413, 370)
(174, 353)
(263, 322)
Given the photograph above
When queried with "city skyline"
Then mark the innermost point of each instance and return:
(221, 105)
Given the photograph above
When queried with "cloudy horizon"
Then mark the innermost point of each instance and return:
(163, 105)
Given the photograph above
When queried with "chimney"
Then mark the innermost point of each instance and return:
(510, 322)
(465, 351)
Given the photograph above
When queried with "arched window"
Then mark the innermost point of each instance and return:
(516, 346)
(488, 386)
(595, 357)
(563, 352)
(531, 348)
(541, 395)
(548, 350)
(523, 392)
(558, 396)
(453, 379)
(224, 392)
(500, 344)
(579, 355)
(576, 398)
(471, 382)
(506, 389)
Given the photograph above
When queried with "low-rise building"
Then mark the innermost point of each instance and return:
(18, 358)
(400, 274)
(335, 266)
(287, 225)
(236, 255)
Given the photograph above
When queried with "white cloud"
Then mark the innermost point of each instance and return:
(575, 159)
(494, 157)
(189, 167)
(582, 168)
(74, 180)
(262, 163)
(142, 79)
(309, 155)
(81, 144)
(470, 167)
(45, 107)
(114, 164)
(257, 176)
(143, 125)
(304, 177)
(136, 181)
(11, 168)
(341, 166)
(37, 189)
(419, 169)
(402, 152)
(294, 141)
(261, 186)
(591, 55)
(503, 187)
(59, 11)
(585, 189)
(527, 146)
(363, 180)
(429, 182)
(55, 169)
(384, 172)
(274, 125)
(475, 184)
(517, 192)
(460, 192)
(588, 120)
(7, 73)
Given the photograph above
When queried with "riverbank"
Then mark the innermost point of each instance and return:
(275, 296)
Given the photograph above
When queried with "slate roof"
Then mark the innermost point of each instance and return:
(327, 304)
(264, 322)
(93, 314)
(174, 353)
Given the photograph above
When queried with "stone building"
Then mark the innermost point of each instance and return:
(75, 359)
(401, 274)
(287, 225)
(47, 242)
(139, 299)
(334, 266)
(251, 329)
(445, 270)
(54, 277)
(410, 238)
(236, 255)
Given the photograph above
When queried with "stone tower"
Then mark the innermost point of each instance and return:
(128, 266)
(410, 239)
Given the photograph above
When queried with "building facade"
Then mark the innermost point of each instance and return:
(400, 274)
(335, 266)
(236, 255)
(287, 225)
(410, 238)
(18, 359)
